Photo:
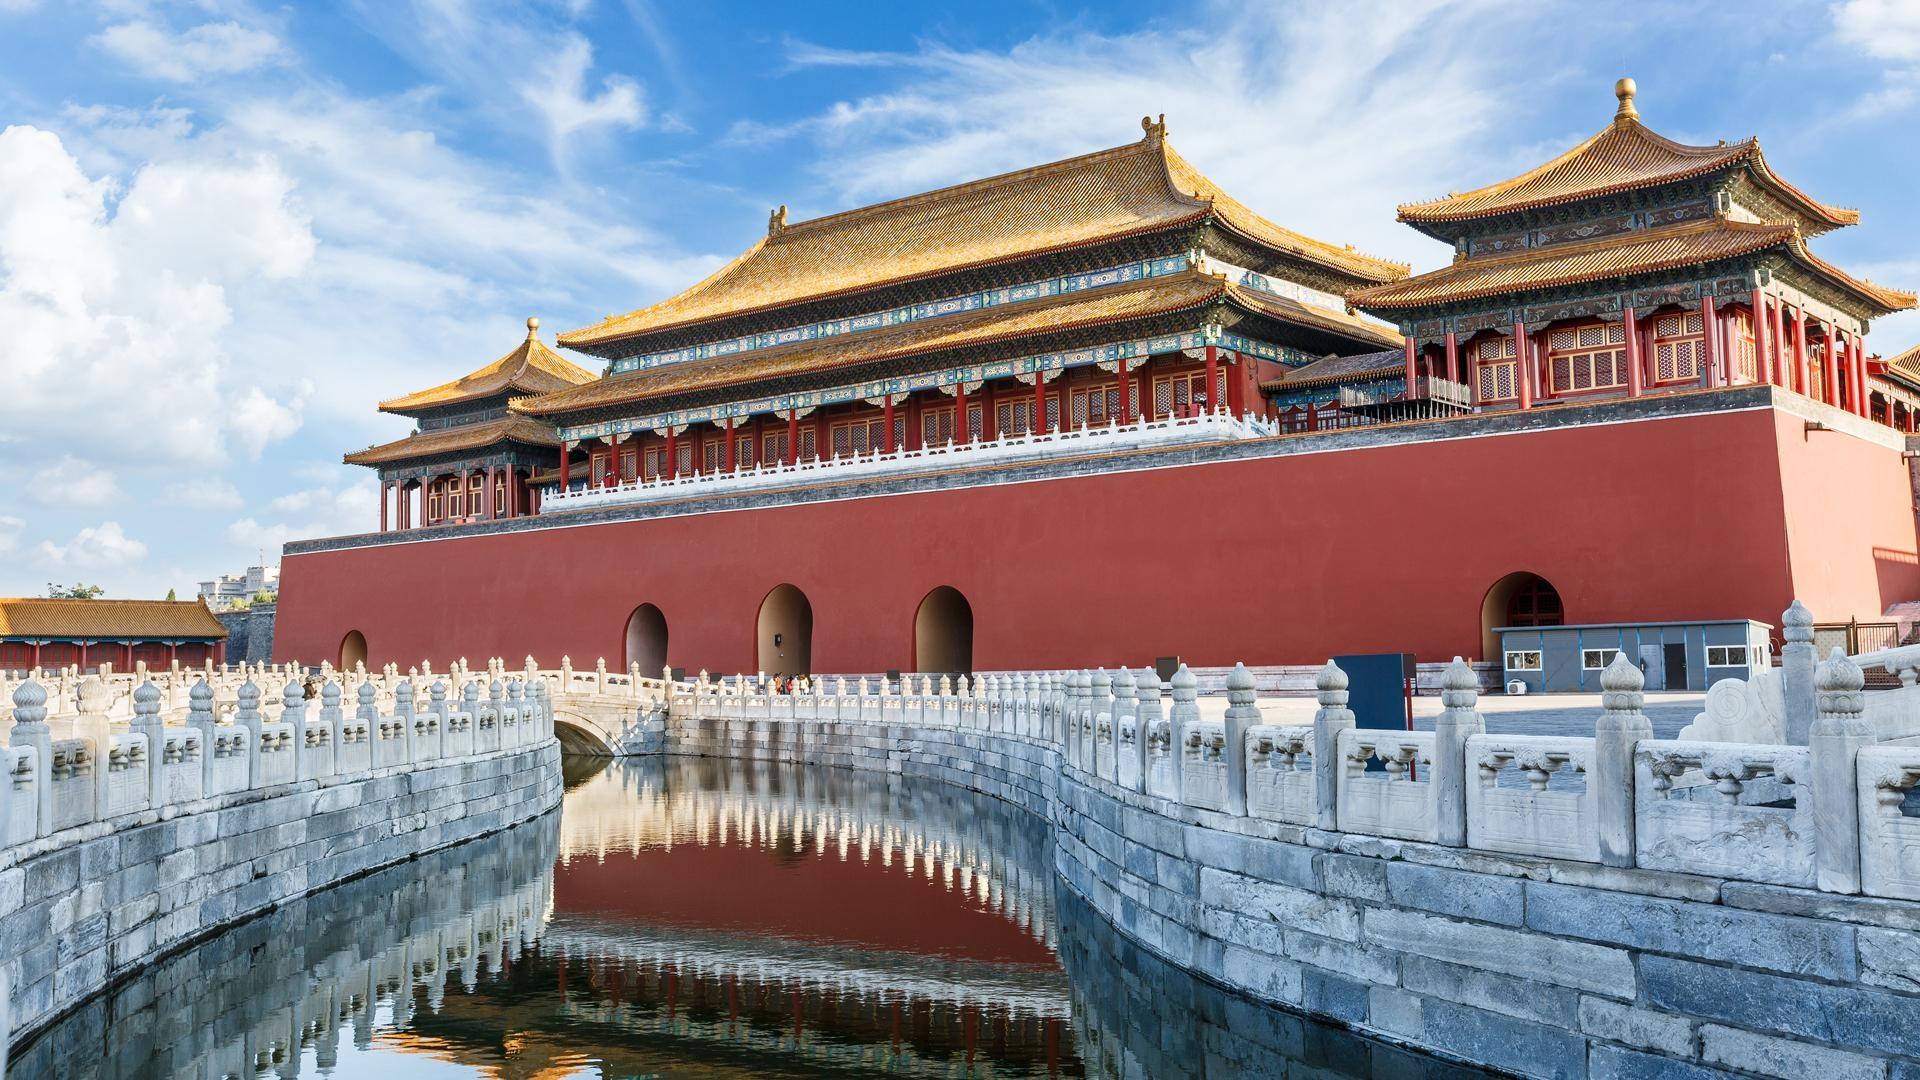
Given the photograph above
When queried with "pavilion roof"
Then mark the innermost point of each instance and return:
(113, 620)
(531, 368)
(1624, 156)
(518, 429)
(1906, 366)
(1108, 195)
(1642, 251)
(997, 325)
(1336, 369)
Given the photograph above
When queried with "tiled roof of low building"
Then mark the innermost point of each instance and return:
(518, 429)
(1094, 198)
(107, 620)
(1624, 156)
(1641, 251)
(1906, 366)
(531, 368)
(1335, 369)
(1003, 324)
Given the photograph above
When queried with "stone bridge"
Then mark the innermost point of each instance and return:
(1739, 901)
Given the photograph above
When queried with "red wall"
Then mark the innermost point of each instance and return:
(1280, 560)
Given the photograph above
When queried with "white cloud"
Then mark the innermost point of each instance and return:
(1887, 30)
(10, 529)
(70, 481)
(96, 547)
(562, 99)
(256, 419)
(226, 48)
(205, 494)
(301, 515)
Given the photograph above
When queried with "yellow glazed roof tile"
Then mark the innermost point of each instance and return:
(531, 368)
(107, 619)
(1098, 197)
(466, 437)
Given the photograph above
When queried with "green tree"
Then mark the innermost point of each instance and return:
(171, 596)
(265, 596)
(76, 591)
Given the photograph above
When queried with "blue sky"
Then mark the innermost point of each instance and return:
(228, 228)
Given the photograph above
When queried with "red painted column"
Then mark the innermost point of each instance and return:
(1782, 366)
(673, 455)
(1125, 381)
(386, 491)
(1039, 403)
(486, 496)
(1636, 371)
(962, 431)
(1237, 386)
(1412, 375)
(1802, 365)
(1832, 373)
(793, 436)
(1453, 357)
(1762, 362)
(887, 419)
(564, 447)
(1860, 375)
(1522, 363)
(726, 452)
(1710, 340)
(1213, 372)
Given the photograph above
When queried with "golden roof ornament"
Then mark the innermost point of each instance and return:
(533, 328)
(1155, 129)
(777, 221)
(1624, 90)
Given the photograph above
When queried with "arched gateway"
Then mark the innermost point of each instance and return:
(783, 636)
(1522, 598)
(943, 633)
(647, 640)
(353, 650)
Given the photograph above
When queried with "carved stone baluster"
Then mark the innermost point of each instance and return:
(1837, 738)
(1459, 720)
(1622, 725)
(1332, 718)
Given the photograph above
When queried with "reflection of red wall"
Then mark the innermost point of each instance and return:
(805, 896)
(1279, 560)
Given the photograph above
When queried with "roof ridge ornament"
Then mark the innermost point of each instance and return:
(777, 220)
(533, 328)
(1156, 129)
(1625, 90)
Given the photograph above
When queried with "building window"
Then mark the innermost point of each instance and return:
(476, 486)
(1523, 660)
(1746, 358)
(1597, 659)
(1179, 395)
(1679, 347)
(683, 458)
(629, 462)
(653, 462)
(433, 502)
(1015, 416)
(1592, 357)
(1497, 370)
(1727, 656)
(809, 446)
(1095, 405)
(863, 436)
(936, 425)
(499, 494)
(743, 452)
(775, 448)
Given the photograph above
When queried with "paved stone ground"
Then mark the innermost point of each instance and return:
(1530, 714)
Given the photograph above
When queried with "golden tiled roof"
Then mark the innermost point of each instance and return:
(465, 437)
(1636, 252)
(111, 620)
(1624, 156)
(1361, 327)
(531, 368)
(1335, 369)
(1906, 365)
(1098, 197)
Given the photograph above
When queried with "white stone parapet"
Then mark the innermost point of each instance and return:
(1143, 434)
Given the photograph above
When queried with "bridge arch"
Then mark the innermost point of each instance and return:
(580, 735)
(783, 632)
(943, 632)
(1522, 598)
(646, 640)
(353, 650)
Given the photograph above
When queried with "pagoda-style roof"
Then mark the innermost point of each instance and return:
(1639, 252)
(518, 429)
(109, 620)
(1095, 198)
(531, 368)
(1624, 156)
(1332, 370)
(1906, 367)
(998, 326)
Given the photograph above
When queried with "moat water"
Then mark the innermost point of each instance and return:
(694, 918)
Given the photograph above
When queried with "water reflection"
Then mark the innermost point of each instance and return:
(690, 917)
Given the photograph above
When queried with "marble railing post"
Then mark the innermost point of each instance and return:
(246, 714)
(1146, 688)
(1797, 660)
(146, 721)
(1333, 718)
(332, 715)
(93, 698)
(1460, 694)
(1243, 712)
(1185, 712)
(1621, 726)
(30, 729)
(437, 717)
(200, 715)
(1123, 710)
(403, 713)
(520, 701)
(293, 713)
(1836, 740)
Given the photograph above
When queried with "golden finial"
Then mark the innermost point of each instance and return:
(1155, 129)
(1624, 90)
(533, 327)
(777, 221)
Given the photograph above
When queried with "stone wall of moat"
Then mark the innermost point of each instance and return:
(1535, 966)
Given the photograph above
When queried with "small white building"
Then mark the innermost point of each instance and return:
(225, 589)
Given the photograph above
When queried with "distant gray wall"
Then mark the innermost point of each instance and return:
(249, 634)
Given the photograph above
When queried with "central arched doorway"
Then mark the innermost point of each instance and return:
(1522, 598)
(353, 650)
(783, 636)
(943, 633)
(647, 640)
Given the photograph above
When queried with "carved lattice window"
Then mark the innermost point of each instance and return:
(1679, 347)
(1592, 357)
(774, 448)
(1095, 405)
(1497, 369)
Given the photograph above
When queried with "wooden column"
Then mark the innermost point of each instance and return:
(1860, 376)
(386, 492)
(1125, 382)
(887, 419)
(564, 449)
(1831, 376)
(486, 496)
(1636, 372)
(1408, 351)
(667, 468)
(793, 436)
(1802, 364)
(1763, 364)
(1213, 371)
(1710, 340)
(962, 431)
(727, 451)
(1039, 403)
(1453, 356)
(1237, 386)
(1782, 360)
(1522, 364)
